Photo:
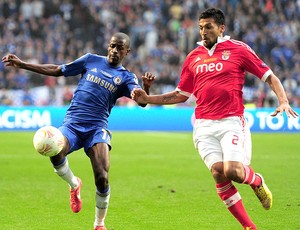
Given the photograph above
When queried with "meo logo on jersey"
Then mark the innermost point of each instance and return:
(211, 67)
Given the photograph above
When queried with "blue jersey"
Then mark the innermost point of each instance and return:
(98, 89)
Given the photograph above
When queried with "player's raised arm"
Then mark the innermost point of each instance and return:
(148, 80)
(46, 69)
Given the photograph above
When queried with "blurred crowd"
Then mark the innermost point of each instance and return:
(162, 33)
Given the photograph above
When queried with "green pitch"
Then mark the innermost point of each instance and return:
(158, 182)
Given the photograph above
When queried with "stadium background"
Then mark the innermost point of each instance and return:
(162, 33)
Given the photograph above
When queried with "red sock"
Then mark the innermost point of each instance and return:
(233, 201)
(251, 178)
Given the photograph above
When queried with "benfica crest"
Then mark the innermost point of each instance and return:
(225, 55)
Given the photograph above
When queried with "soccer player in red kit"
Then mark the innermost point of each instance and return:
(214, 73)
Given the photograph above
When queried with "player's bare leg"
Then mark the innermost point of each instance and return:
(99, 157)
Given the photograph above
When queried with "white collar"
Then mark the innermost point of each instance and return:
(220, 40)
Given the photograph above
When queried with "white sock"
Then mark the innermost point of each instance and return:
(102, 201)
(64, 171)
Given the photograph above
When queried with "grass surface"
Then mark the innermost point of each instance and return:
(158, 182)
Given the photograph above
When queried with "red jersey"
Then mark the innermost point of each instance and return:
(216, 77)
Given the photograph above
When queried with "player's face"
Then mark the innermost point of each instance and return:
(210, 31)
(117, 50)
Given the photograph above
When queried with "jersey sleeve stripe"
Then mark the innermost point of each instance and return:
(266, 75)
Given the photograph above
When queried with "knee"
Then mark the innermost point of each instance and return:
(57, 159)
(218, 176)
(235, 173)
(101, 180)
(218, 173)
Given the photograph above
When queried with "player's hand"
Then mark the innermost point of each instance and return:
(11, 60)
(139, 95)
(285, 108)
(148, 79)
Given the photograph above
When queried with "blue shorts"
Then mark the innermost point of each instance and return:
(81, 135)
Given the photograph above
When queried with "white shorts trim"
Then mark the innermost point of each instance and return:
(223, 140)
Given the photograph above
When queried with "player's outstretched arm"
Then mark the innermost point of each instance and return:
(284, 106)
(173, 97)
(46, 69)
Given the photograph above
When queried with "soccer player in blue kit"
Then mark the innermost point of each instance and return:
(103, 81)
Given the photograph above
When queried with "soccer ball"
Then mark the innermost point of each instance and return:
(48, 141)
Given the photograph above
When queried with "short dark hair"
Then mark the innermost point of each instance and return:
(123, 36)
(214, 13)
